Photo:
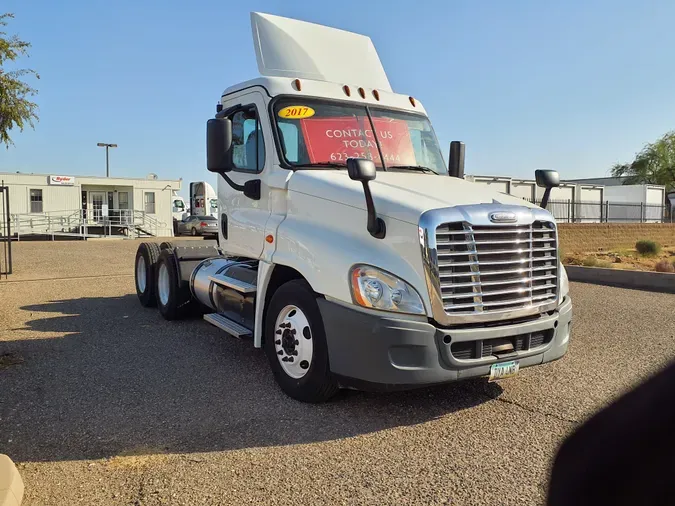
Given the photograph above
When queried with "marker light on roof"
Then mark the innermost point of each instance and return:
(376, 94)
(412, 101)
(347, 91)
(297, 85)
(362, 92)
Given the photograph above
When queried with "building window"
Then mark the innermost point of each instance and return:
(35, 201)
(150, 202)
(123, 200)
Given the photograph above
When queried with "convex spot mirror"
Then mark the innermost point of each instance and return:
(361, 169)
(218, 145)
(547, 178)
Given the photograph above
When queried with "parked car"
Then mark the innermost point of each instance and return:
(198, 225)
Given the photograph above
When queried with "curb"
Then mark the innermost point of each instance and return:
(640, 280)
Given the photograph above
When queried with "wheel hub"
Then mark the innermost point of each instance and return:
(293, 342)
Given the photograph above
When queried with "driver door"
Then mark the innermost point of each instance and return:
(242, 219)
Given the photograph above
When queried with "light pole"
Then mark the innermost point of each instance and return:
(106, 146)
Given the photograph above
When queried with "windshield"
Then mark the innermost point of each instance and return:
(320, 133)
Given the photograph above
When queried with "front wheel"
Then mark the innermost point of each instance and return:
(194, 232)
(295, 344)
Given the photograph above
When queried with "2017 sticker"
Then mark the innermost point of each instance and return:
(296, 112)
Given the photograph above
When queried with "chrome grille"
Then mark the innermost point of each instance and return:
(491, 268)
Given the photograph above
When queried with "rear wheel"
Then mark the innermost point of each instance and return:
(295, 344)
(194, 232)
(173, 295)
(144, 272)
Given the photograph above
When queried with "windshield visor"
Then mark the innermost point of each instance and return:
(313, 132)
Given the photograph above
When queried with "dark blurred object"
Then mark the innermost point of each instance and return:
(625, 454)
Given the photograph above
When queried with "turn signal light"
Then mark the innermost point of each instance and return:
(269, 239)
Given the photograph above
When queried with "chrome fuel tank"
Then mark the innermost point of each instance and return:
(222, 299)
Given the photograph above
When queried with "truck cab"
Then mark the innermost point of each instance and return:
(348, 250)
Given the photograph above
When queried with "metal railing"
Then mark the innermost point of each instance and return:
(87, 223)
(571, 211)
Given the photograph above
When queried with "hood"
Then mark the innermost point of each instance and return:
(400, 195)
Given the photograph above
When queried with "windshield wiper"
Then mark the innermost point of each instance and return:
(330, 165)
(418, 168)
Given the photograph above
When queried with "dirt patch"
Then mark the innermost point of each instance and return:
(137, 458)
(625, 259)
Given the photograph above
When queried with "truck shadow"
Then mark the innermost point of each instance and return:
(114, 378)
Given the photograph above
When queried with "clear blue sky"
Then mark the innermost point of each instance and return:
(575, 86)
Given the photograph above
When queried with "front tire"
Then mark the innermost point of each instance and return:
(174, 300)
(295, 344)
(144, 272)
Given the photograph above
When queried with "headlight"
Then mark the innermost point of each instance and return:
(564, 281)
(377, 289)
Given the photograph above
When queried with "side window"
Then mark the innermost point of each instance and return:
(248, 146)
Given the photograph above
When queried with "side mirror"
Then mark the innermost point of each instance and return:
(456, 160)
(218, 145)
(546, 179)
(361, 169)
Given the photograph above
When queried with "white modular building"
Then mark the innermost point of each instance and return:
(60, 204)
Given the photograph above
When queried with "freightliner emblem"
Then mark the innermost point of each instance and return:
(503, 217)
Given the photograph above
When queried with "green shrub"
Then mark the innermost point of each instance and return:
(664, 266)
(647, 248)
(604, 264)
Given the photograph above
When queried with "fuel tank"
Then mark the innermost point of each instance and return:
(237, 306)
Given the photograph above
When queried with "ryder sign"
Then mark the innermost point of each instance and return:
(62, 180)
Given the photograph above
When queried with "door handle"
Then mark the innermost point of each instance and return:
(223, 225)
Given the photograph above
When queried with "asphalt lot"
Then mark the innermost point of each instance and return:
(106, 403)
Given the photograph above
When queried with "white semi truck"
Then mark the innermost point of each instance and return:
(347, 249)
(203, 199)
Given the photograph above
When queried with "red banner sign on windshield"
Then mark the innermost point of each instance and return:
(336, 139)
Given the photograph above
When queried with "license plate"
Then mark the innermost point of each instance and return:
(503, 370)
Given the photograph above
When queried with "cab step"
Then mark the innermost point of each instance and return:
(231, 327)
(235, 284)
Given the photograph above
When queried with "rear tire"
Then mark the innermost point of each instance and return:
(174, 300)
(144, 272)
(310, 380)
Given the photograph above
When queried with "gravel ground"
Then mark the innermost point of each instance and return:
(103, 402)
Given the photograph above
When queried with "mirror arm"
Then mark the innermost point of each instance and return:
(544, 199)
(233, 185)
(376, 225)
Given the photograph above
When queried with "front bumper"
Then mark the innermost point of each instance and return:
(374, 352)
